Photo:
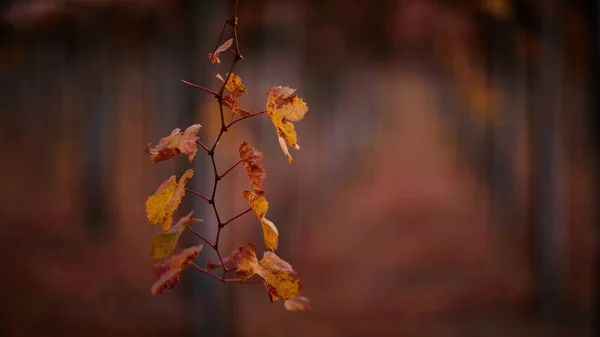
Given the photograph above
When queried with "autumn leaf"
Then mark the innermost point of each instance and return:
(164, 202)
(232, 104)
(168, 271)
(298, 303)
(280, 279)
(176, 143)
(258, 203)
(164, 243)
(256, 172)
(214, 58)
(247, 262)
(270, 234)
(283, 108)
(234, 85)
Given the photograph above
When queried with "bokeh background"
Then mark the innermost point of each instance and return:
(446, 183)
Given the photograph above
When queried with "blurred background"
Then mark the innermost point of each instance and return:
(445, 185)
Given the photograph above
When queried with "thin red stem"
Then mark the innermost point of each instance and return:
(197, 194)
(199, 87)
(207, 272)
(237, 216)
(223, 279)
(245, 117)
(231, 168)
(203, 146)
(201, 237)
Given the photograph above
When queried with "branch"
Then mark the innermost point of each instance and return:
(203, 146)
(237, 216)
(197, 194)
(245, 117)
(201, 237)
(231, 168)
(199, 87)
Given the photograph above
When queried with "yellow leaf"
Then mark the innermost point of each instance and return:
(234, 85)
(258, 203)
(283, 108)
(164, 243)
(280, 279)
(232, 104)
(256, 172)
(260, 206)
(164, 202)
(168, 271)
(214, 58)
(298, 303)
(247, 262)
(176, 143)
(270, 234)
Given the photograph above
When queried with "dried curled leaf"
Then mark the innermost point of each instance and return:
(298, 303)
(164, 202)
(176, 143)
(258, 203)
(165, 243)
(214, 58)
(256, 172)
(247, 262)
(233, 105)
(168, 271)
(234, 85)
(281, 276)
(283, 108)
(280, 279)
(270, 234)
(260, 206)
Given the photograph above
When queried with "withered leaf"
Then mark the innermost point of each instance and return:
(165, 243)
(283, 108)
(258, 203)
(280, 275)
(234, 85)
(260, 206)
(164, 202)
(298, 303)
(255, 170)
(270, 234)
(247, 262)
(232, 104)
(169, 270)
(214, 58)
(176, 143)
(280, 279)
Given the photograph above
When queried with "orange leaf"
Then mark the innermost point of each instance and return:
(234, 85)
(168, 271)
(258, 203)
(270, 234)
(283, 108)
(247, 262)
(176, 143)
(256, 172)
(280, 279)
(164, 202)
(164, 243)
(232, 104)
(214, 58)
(298, 303)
